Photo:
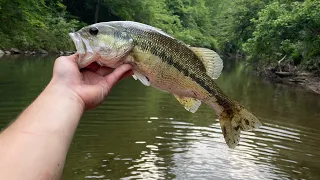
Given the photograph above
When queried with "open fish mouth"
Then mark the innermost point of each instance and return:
(85, 52)
(77, 40)
(80, 46)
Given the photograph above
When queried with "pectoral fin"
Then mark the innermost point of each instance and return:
(190, 104)
(144, 80)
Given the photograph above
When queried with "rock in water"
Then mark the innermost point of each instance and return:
(15, 51)
(1, 53)
(41, 51)
(68, 52)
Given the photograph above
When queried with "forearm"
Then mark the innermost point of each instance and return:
(36, 144)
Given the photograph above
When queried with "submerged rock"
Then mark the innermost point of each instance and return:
(15, 51)
(68, 52)
(42, 51)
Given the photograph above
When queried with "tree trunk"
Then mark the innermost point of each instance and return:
(96, 15)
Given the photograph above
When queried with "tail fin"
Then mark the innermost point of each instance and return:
(232, 125)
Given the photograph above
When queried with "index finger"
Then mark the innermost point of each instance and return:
(117, 74)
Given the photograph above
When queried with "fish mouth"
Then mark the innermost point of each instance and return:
(77, 40)
(85, 52)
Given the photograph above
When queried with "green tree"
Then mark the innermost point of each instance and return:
(32, 24)
(287, 29)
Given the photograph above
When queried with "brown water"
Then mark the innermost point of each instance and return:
(142, 133)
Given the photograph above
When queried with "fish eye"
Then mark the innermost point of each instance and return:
(93, 31)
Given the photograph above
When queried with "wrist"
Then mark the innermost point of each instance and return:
(61, 91)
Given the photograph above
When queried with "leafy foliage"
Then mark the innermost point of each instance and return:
(291, 30)
(187, 20)
(235, 23)
(265, 30)
(33, 24)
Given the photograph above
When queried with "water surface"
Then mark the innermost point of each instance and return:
(143, 133)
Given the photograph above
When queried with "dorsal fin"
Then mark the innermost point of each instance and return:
(211, 61)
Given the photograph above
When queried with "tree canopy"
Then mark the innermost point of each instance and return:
(264, 30)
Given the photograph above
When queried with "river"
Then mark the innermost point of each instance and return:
(142, 133)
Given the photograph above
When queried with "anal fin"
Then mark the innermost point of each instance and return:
(190, 104)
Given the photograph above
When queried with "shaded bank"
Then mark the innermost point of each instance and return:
(283, 73)
(289, 75)
(15, 51)
(292, 77)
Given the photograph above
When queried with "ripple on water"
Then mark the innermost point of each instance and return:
(197, 152)
(141, 133)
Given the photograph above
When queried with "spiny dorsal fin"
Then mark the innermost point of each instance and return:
(189, 103)
(211, 61)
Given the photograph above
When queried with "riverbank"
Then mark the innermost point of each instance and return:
(33, 52)
(293, 77)
(287, 74)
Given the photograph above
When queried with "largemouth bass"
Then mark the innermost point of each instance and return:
(161, 61)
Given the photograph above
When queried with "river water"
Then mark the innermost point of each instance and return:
(143, 133)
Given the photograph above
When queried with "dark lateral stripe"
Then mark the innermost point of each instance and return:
(169, 60)
(165, 57)
(216, 92)
(146, 41)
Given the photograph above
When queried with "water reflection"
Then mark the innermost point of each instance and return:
(142, 133)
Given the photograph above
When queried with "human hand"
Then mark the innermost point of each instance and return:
(44, 130)
(89, 86)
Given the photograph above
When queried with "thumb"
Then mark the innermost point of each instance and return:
(116, 75)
